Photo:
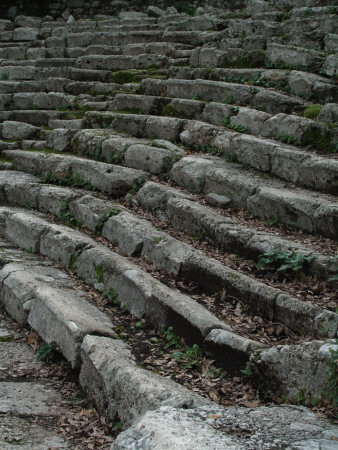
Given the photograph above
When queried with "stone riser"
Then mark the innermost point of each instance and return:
(138, 237)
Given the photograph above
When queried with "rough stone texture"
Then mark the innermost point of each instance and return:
(129, 232)
(60, 139)
(151, 159)
(18, 130)
(25, 230)
(90, 210)
(330, 66)
(296, 367)
(109, 371)
(18, 359)
(16, 430)
(29, 398)
(25, 34)
(66, 317)
(278, 427)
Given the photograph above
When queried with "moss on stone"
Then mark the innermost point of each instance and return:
(319, 138)
(312, 111)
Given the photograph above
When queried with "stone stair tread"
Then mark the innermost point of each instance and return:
(180, 118)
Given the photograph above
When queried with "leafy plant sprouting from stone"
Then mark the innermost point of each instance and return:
(137, 185)
(229, 100)
(72, 180)
(284, 261)
(188, 357)
(67, 216)
(111, 295)
(247, 371)
(235, 126)
(112, 212)
(287, 139)
(43, 351)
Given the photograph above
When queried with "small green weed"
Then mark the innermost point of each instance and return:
(43, 351)
(196, 187)
(171, 339)
(287, 139)
(190, 357)
(199, 236)
(312, 111)
(73, 257)
(158, 239)
(229, 100)
(301, 396)
(117, 426)
(67, 217)
(99, 272)
(137, 185)
(110, 294)
(247, 371)
(112, 212)
(284, 260)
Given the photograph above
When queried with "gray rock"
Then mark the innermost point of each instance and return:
(60, 139)
(128, 232)
(27, 21)
(151, 159)
(303, 82)
(62, 244)
(109, 372)
(66, 317)
(295, 367)
(25, 34)
(166, 252)
(294, 56)
(28, 399)
(155, 12)
(19, 130)
(330, 66)
(90, 210)
(220, 201)
(25, 230)
(329, 113)
(331, 42)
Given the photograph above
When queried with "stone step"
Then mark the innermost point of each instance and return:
(42, 100)
(312, 212)
(299, 57)
(309, 85)
(110, 375)
(305, 169)
(99, 265)
(104, 269)
(114, 180)
(33, 116)
(302, 167)
(139, 237)
(185, 214)
(300, 131)
(121, 62)
(273, 102)
(200, 429)
(35, 292)
(168, 128)
(114, 39)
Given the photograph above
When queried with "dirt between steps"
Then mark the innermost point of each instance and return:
(76, 423)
